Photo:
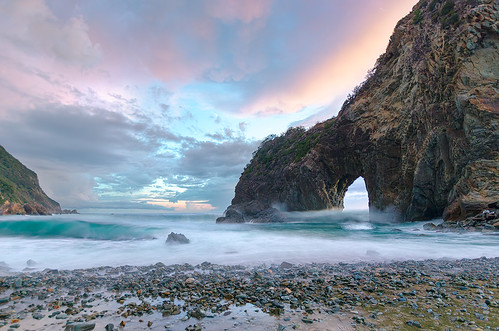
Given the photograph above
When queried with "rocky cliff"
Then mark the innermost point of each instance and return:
(20, 192)
(422, 130)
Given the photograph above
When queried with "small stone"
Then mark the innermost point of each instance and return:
(80, 327)
(307, 320)
(18, 283)
(38, 316)
(197, 313)
(109, 327)
(415, 324)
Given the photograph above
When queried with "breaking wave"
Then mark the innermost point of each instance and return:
(76, 229)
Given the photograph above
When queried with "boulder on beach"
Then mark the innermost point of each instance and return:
(177, 238)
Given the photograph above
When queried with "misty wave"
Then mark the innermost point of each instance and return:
(50, 228)
(358, 226)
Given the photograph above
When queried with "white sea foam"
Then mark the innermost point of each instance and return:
(323, 238)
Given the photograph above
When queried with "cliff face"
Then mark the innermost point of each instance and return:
(422, 130)
(20, 192)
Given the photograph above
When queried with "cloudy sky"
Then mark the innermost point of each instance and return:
(136, 104)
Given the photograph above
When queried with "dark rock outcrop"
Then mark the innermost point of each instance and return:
(69, 211)
(422, 130)
(177, 238)
(485, 221)
(20, 192)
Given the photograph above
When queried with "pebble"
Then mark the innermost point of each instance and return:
(373, 293)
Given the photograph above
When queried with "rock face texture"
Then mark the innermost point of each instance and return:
(20, 192)
(422, 130)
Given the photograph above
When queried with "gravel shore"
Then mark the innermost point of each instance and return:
(430, 294)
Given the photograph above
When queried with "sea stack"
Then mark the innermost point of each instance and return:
(422, 130)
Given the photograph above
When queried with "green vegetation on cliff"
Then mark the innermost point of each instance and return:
(19, 186)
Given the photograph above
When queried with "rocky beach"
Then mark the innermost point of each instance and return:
(430, 294)
(143, 114)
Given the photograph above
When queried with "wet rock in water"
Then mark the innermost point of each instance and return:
(177, 238)
(80, 327)
(169, 309)
(286, 265)
(197, 313)
(109, 327)
(30, 263)
(429, 227)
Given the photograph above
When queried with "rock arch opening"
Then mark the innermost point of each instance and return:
(356, 197)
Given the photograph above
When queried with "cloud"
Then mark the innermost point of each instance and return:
(245, 11)
(31, 27)
(126, 103)
(86, 155)
(278, 56)
(206, 159)
(69, 146)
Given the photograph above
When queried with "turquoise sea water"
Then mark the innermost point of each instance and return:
(98, 239)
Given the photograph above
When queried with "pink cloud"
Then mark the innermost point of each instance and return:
(245, 11)
(337, 71)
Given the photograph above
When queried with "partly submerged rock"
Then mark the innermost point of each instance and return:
(430, 227)
(177, 238)
(69, 211)
(485, 221)
(252, 212)
(31, 263)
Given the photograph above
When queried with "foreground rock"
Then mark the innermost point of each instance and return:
(177, 238)
(421, 131)
(434, 295)
(20, 192)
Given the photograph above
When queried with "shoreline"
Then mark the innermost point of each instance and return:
(429, 294)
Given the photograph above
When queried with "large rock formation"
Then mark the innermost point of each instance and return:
(422, 130)
(20, 192)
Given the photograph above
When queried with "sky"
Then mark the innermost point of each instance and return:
(160, 104)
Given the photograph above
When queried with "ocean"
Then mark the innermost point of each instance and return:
(96, 239)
